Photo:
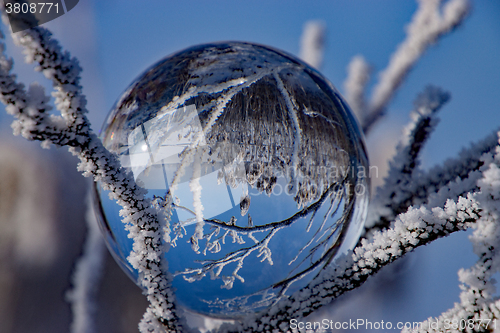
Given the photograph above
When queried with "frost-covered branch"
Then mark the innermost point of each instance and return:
(478, 306)
(406, 185)
(427, 26)
(72, 129)
(456, 177)
(87, 275)
(358, 74)
(417, 227)
(403, 169)
(312, 43)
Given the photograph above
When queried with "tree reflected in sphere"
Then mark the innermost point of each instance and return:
(257, 161)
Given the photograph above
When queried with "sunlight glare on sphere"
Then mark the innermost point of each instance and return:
(261, 162)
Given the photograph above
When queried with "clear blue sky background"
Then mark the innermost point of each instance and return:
(117, 39)
(134, 35)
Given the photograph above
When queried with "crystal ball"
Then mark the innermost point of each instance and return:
(261, 162)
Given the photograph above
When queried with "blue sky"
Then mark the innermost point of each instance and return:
(132, 37)
(116, 40)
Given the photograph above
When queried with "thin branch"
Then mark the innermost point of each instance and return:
(403, 166)
(478, 306)
(87, 275)
(312, 43)
(426, 27)
(456, 177)
(358, 75)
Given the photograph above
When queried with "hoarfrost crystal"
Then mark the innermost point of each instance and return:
(261, 163)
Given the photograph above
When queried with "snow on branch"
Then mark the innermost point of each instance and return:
(427, 26)
(358, 74)
(29, 107)
(403, 166)
(312, 43)
(416, 227)
(86, 277)
(456, 177)
(72, 129)
(478, 306)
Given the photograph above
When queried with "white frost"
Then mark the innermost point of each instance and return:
(86, 277)
(312, 43)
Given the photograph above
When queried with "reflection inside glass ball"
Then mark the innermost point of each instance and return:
(258, 159)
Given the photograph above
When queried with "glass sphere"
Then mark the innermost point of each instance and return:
(262, 162)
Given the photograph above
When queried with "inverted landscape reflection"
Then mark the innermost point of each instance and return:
(260, 162)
